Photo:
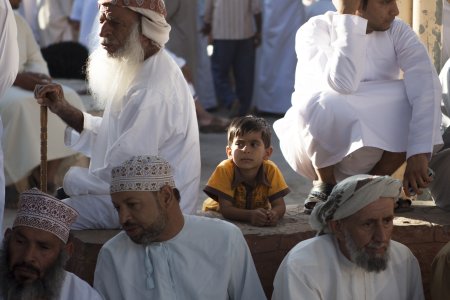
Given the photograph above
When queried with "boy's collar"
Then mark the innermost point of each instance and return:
(260, 177)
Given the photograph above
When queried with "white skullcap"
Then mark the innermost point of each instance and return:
(153, 22)
(42, 211)
(142, 173)
(351, 195)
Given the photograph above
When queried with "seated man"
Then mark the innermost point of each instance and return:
(163, 254)
(36, 249)
(148, 109)
(351, 113)
(20, 115)
(353, 256)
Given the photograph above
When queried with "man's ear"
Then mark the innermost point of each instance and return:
(69, 248)
(336, 228)
(166, 196)
(8, 233)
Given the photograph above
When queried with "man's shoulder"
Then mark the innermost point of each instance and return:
(312, 247)
(76, 288)
(399, 252)
(121, 240)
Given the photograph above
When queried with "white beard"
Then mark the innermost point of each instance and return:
(110, 76)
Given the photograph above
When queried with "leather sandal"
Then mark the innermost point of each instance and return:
(319, 193)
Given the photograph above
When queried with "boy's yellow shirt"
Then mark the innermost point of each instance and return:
(226, 183)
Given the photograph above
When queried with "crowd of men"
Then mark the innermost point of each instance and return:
(352, 114)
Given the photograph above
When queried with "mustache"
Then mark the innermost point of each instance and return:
(128, 224)
(27, 266)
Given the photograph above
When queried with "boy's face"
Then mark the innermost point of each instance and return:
(248, 151)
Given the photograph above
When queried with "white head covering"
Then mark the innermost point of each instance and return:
(153, 22)
(351, 195)
(42, 211)
(142, 173)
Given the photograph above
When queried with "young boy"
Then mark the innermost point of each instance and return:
(248, 186)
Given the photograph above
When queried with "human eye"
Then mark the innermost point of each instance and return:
(388, 220)
(133, 205)
(239, 144)
(255, 144)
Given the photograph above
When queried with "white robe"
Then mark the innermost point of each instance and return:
(275, 64)
(21, 115)
(208, 259)
(74, 288)
(155, 117)
(53, 21)
(348, 96)
(317, 269)
(9, 65)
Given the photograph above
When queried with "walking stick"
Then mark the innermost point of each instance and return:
(43, 148)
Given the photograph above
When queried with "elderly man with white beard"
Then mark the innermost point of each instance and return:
(148, 109)
(353, 256)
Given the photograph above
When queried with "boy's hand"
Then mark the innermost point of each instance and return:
(272, 217)
(259, 217)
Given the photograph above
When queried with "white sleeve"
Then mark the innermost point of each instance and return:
(423, 88)
(9, 59)
(332, 50)
(244, 281)
(83, 142)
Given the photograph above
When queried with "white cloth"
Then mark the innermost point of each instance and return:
(348, 95)
(85, 11)
(21, 114)
(53, 21)
(317, 269)
(156, 117)
(28, 9)
(207, 259)
(276, 60)
(74, 288)
(9, 65)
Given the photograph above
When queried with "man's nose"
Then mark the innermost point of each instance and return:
(381, 233)
(395, 11)
(29, 254)
(105, 30)
(124, 216)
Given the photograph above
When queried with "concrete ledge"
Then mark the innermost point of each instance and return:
(425, 231)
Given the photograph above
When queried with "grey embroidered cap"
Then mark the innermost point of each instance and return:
(142, 173)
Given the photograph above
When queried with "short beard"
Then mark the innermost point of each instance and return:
(152, 232)
(47, 287)
(370, 263)
(110, 76)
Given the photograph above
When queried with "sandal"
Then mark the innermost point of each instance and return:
(319, 193)
(403, 205)
(216, 125)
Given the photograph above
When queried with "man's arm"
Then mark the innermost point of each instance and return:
(52, 96)
(257, 36)
(207, 17)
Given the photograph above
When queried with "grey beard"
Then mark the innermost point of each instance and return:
(45, 288)
(362, 259)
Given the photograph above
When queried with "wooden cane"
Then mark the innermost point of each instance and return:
(43, 148)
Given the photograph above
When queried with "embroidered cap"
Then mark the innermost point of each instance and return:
(142, 173)
(42, 211)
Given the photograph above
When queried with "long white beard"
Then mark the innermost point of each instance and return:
(109, 76)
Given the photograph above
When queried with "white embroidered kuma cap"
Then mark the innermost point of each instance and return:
(142, 173)
(42, 211)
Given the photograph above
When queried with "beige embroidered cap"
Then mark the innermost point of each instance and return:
(42, 211)
(142, 173)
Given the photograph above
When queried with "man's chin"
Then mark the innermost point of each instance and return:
(25, 276)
